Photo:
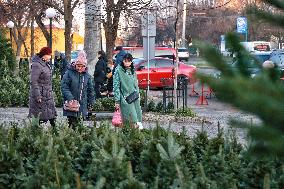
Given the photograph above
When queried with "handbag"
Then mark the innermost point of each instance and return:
(116, 119)
(132, 97)
(74, 105)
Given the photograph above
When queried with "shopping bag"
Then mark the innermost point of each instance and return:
(117, 119)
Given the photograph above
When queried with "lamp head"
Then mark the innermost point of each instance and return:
(50, 13)
(10, 24)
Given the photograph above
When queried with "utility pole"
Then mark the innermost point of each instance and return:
(176, 57)
(184, 23)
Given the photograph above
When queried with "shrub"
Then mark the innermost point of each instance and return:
(186, 112)
(159, 107)
(104, 104)
(151, 106)
(170, 107)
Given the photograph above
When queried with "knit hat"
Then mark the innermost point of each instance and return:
(81, 59)
(45, 51)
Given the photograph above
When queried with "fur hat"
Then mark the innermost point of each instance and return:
(44, 51)
(82, 58)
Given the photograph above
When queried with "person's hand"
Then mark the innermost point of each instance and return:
(90, 107)
(116, 106)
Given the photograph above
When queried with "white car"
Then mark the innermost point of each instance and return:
(183, 54)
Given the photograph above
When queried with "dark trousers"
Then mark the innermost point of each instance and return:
(98, 86)
(73, 121)
(110, 85)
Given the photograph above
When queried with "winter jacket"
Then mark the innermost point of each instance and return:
(100, 70)
(61, 64)
(41, 88)
(124, 83)
(71, 87)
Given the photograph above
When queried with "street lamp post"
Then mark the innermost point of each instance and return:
(10, 25)
(50, 13)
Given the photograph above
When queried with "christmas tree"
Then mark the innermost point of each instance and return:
(262, 95)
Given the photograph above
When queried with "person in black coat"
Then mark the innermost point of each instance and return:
(109, 75)
(100, 73)
(60, 63)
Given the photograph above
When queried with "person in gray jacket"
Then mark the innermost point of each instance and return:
(41, 99)
(77, 85)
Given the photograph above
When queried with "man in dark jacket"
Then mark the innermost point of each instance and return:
(61, 63)
(100, 73)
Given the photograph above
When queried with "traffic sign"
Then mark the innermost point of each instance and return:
(242, 25)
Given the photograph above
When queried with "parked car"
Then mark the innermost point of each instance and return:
(137, 52)
(277, 57)
(160, 68)
(74, 54)
(183, 54)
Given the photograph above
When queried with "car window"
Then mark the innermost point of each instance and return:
(137, 61)
(163, 63)
(151, 63)
(182, 50)
(262, 58)
(277, 58)
(164, 53)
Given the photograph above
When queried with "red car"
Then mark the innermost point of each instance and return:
(161, 68)
(137, 52)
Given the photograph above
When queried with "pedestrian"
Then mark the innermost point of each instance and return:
(100, 73)
(41, 99)
(60, 63)
(109, 75)
(126, 92)
(78, 92)
(119, 56)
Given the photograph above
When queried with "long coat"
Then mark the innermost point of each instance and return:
(71, 87)
(100, 70)
(124, 83)
(41, 88)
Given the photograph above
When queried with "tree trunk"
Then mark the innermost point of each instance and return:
(92, 32)
(67, 34)
(18, 57)
(111, 27)
(26, 49)
(110, 42)
(42, 27)
(32, 28)
(32, 37)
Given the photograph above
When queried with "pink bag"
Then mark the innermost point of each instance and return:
(116, 119)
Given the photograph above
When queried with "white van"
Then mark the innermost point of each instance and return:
(257, 46)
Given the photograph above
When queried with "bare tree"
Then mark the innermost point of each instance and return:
(18, 12)
(65, 8)
(112, 17)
